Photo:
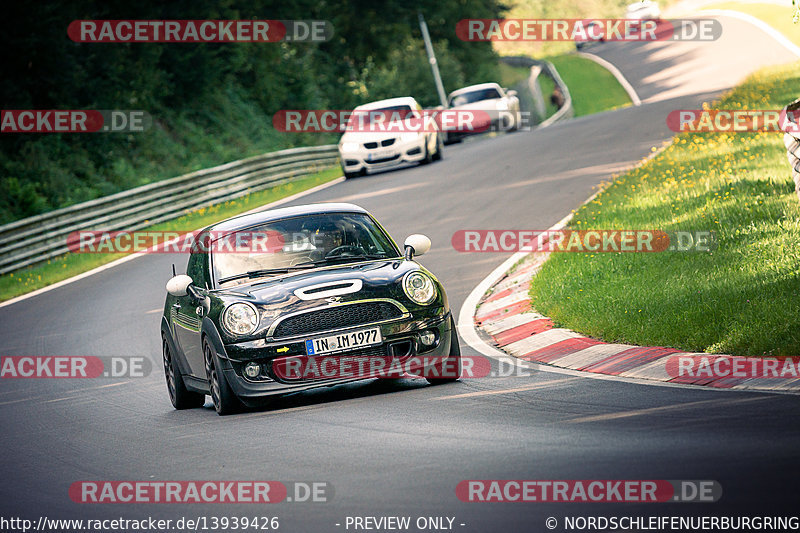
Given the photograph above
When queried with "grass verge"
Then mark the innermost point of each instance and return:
(510, 76)
(777, 16)
(35, 277)
(743, 298)
(592, 87)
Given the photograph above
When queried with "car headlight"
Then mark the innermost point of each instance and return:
(502, 105)
(419, 288)
(349, 147)
(240, 319)
(409, 136)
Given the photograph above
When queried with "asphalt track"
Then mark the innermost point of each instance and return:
(401, 448)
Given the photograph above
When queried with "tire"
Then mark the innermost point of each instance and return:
(225, 401)
(453, 360)
(348, 175)
(517, 118)
(428, 158)
(179, 395)
(439, 149)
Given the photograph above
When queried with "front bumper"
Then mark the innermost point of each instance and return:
(400, 342)
(490, 120)
(384, 157)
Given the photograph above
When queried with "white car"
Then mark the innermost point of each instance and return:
(386, 142)
(645, 9)
(501, 107)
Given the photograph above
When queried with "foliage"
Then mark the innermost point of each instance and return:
(211, 103)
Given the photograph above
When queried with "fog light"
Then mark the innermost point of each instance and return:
(427, 337)
(252, 370)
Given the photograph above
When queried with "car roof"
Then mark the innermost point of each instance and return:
(390, 102)
(478, 87)
(271, 215)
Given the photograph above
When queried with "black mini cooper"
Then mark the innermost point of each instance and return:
(290, 299)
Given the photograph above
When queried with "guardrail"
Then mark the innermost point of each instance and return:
(544, 67)
(36, 239)
(792, 141)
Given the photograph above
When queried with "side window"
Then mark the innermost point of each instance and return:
(196, 270)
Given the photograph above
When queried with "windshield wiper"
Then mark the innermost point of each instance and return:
(343, 258)
(266, 272)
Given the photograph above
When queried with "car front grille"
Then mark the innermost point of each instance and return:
(385, 159)
(336, 317)
(364, 354)
(374, 144)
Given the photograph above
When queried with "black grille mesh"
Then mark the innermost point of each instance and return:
(337, 317)
(372, 351)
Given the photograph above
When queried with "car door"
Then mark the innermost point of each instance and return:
(187, 317)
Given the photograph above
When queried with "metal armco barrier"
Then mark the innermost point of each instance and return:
(36, 239)
(545, 67)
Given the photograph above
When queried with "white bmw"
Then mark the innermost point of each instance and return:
(378, 137)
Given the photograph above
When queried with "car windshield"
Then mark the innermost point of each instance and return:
(474, 96)
(384, 114)
(298, 243)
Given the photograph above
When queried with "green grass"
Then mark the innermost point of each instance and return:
(592, 87)
(72, 264)
(49, 172)
(744, 297)
(510, 76)
(540, 9)
(547, 84)
(779, 17)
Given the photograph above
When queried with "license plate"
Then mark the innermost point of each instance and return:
(379, 155)
(344, 341)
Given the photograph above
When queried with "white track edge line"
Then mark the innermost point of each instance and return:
(466, 324)
(772, 32)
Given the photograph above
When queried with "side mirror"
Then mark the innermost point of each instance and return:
(512, 92)
(179, 285)
(416, 245)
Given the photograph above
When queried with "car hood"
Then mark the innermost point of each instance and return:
(313, 288)
(372, 136)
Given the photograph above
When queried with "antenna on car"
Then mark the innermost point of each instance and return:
(173, 270)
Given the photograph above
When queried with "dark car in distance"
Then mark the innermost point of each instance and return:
(298, 288)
